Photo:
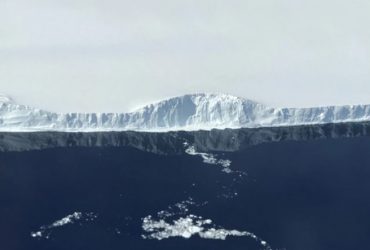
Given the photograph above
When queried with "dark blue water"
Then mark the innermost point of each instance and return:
(295, 188)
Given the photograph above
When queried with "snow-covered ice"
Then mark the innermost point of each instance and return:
(188, 112)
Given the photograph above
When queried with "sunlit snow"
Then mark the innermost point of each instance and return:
(188, 112)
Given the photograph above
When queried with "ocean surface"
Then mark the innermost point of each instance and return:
(293, 188)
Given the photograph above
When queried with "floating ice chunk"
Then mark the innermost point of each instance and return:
(184, 227)
(189, 226)
(45, 231)
(36, 234)
(67, 220)
(178, 208)
(209, 158)
(224, 163)
(176, 222)
(220, 234)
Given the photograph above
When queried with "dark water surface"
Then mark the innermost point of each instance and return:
(298, 188)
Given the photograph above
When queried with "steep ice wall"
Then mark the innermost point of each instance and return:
(188, 112)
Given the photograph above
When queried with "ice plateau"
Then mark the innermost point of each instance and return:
(188, 112)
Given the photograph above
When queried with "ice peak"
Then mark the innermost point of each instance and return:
(5, 99)
(202, 111)
(199, 98)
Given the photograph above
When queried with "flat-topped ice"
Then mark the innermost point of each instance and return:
(188, 112)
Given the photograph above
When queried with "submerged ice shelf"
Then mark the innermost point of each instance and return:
(188, 112)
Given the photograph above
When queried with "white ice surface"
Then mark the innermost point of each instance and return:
(188, 112)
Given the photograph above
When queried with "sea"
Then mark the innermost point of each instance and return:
(283, 188)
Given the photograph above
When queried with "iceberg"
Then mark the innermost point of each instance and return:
(188, 112)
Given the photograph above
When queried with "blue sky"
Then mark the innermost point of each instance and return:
(114, 55)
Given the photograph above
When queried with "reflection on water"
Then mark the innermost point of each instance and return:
(228, 140)
(301, 188)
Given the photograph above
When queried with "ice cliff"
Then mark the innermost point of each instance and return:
(188, 112)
